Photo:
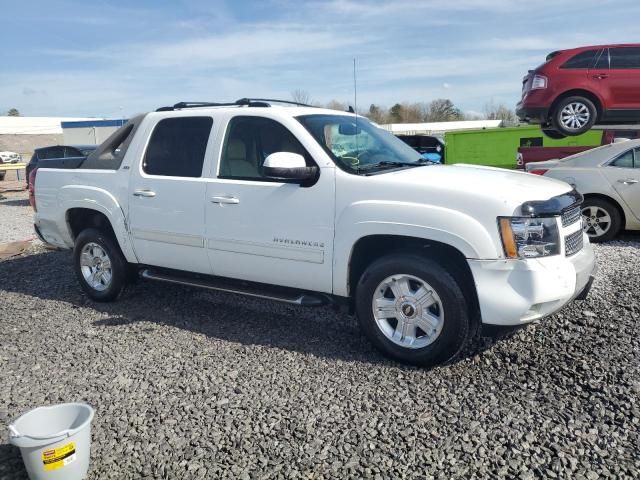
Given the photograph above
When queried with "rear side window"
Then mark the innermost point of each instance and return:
(624, 161)
(625, 57)
(72, 152)
(177, 147)
(52, 152)
(581, 60)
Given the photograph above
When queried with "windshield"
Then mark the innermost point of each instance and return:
(358, 146)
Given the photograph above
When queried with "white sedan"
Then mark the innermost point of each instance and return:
(609, 179)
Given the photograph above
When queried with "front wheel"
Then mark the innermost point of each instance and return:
(100, 266)
(412, 310)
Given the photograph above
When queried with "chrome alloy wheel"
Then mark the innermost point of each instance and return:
(408, 311)
(575, 116)
(95, 265)
(595, 221)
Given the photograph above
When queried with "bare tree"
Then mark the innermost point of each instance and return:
(376, 114)
(301, 96)
(500, 112)
(337, 105)
(443, 110)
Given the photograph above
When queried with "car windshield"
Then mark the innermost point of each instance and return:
(358, 146)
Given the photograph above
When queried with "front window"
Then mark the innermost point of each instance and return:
(626, 58)
(359, 147)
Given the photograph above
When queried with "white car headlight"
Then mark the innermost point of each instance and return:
(526, 237)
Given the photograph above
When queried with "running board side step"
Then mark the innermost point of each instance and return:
(278, 294)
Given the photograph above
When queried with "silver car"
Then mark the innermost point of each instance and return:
(609, 179)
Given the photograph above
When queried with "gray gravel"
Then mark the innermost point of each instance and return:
(16, 217)
(195, 384)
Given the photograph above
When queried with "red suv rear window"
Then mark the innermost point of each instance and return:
(581, 60)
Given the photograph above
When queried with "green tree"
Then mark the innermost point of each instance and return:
(13, 112)
(396, 113)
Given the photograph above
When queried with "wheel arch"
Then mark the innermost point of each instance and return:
(372, 247)
(80, 217)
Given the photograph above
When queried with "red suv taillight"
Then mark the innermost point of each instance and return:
(32, 189)
(539, 82)
(539, 171)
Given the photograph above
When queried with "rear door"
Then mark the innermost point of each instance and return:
(167, 189)
(624, 79)
(624, 175)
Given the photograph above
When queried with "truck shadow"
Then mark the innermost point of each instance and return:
(321, 332)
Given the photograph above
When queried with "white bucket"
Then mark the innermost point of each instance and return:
(54, 441)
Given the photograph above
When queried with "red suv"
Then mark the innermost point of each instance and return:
(575, 89)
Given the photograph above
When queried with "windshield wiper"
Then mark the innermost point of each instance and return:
(387, 163)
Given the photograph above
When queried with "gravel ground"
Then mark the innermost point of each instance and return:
(16, 217)
(195, 384)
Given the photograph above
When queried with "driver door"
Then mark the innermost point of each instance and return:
(266, 230)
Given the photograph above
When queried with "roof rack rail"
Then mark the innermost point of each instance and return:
(251, 101)
(242, 102)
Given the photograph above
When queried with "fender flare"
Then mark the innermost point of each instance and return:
(439, 224)
(100, 200)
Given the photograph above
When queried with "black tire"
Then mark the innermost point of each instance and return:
(600, 209)
(120, 270)
(456, 330)
(585, 105)
(553, 134)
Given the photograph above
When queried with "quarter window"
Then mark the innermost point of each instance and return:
(625, 57)
(177, 147)
(581, 60)
(249, 141)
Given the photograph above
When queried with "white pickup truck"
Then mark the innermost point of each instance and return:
(313, 206)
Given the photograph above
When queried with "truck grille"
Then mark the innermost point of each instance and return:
(571, 216)
(573, 243)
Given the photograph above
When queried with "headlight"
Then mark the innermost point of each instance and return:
(525, 237)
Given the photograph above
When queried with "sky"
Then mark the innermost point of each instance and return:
(108, 58)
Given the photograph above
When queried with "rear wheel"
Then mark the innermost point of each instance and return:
(601, 220)
(100, 266)
(412, 310)
(574, 115)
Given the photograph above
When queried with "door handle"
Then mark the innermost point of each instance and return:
(601, 76)
(144, 193)
(225, 199)
(629, 181)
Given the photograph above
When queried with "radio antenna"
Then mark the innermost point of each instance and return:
(355, 88)
(355, 102)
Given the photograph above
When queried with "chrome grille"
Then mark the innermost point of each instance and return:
(571, 216)
(573, 243)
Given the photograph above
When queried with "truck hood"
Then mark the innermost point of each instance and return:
(461, 184)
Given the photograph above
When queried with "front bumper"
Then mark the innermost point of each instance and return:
(516, 292)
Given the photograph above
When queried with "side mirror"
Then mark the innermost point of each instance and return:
(288, 166)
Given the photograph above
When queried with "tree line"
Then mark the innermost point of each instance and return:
(438, 110)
